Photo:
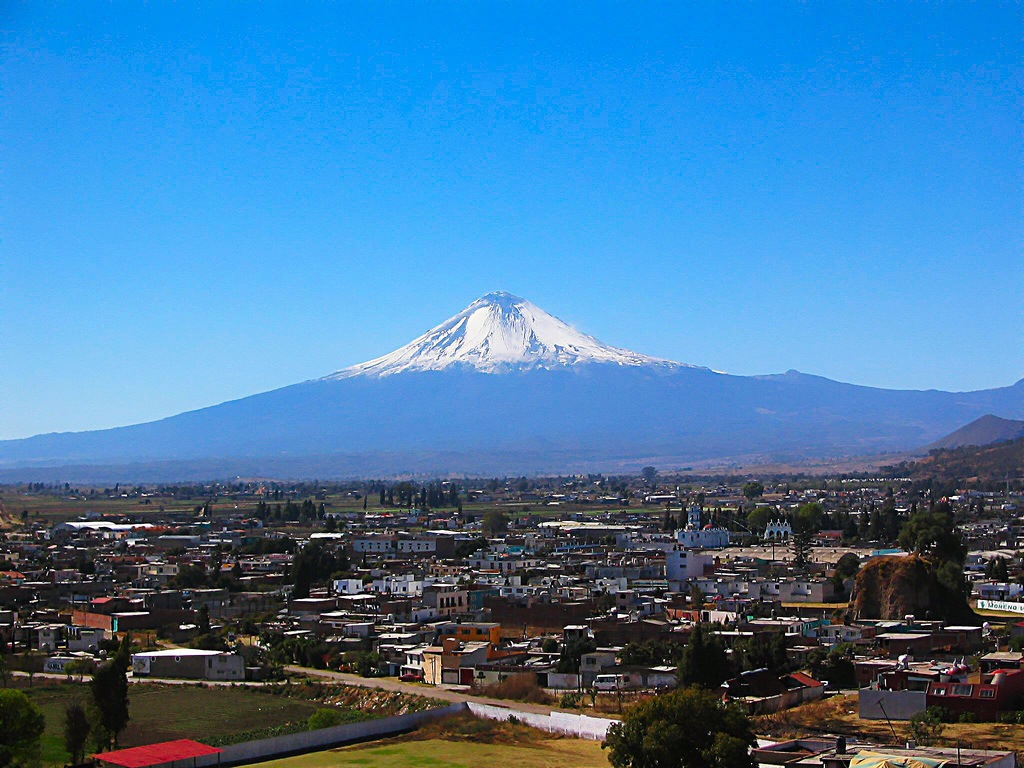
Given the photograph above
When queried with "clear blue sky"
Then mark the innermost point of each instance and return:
(202, 203)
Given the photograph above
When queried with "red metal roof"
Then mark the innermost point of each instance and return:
(807, 680)
(157, 754)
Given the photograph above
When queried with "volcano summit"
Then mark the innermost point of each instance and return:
(499, 333)
(503, 387)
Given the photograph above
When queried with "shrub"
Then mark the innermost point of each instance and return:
(570, 700)
(519, 687)
(324, 718)
(926, 727)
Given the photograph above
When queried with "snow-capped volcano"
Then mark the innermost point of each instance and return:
(499, 333)
(451, 417)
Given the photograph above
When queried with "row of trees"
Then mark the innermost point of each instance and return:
(314, 563)
(430, 496)
(290, 511)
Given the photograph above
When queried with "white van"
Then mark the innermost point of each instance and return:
(614, 682)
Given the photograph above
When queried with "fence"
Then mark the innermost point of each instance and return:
(565, 723)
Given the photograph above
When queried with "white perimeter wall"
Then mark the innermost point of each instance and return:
(565, 723)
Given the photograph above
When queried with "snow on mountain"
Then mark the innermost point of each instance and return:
(500, 333)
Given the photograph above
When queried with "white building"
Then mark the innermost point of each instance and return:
(696, 537)
(347, 586)
(681, 564)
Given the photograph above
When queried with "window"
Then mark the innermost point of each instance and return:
(961, 690)
(939, 690)
(988, 693)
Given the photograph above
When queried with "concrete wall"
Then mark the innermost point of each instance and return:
(324, 738)
(565, 723)
(899, 705)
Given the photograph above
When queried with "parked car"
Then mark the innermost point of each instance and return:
(411, 677)
(614, 682)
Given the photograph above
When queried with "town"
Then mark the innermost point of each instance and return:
(584, 594)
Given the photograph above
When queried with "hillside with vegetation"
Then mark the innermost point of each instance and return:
(982, 431)
(986, 464)
(895, 587)
(928, 583)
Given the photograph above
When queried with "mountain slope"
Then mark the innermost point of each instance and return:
(505, 387)
(984, 431)
(992, 463)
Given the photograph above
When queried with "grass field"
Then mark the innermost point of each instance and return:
(839, 715)
(164, 712)
(460, 742)
(439, 753)
(54, 507)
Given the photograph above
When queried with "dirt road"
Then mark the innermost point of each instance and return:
(436, 692)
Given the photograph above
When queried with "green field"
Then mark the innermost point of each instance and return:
(54, 507)
(164, 712)
(442, 753)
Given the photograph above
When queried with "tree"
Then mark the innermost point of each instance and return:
(494, 522)
(21, 725)
(997, 570)
(835, 665)
(933, 533)
(109, 688)
(808, 517)
(650, 653)
(704, 660)
(762, 651)
(687, 728)
(31, 664)
(801, 547)
(76, 731)
(79, 667)
(203, 619)
(315, 562)
(848, 565)
(753, 490)
(649, 474)
(926, 727)
(572, 652)
(757, 520)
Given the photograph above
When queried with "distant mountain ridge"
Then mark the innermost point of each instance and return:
(504, 387)
(982, 431)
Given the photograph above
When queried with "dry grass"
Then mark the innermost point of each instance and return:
(480, 731)
(839, 715)
(521, 687)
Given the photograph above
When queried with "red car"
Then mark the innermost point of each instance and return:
(411, 677)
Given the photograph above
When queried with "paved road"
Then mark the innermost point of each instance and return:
(131, 679)
(436, 692)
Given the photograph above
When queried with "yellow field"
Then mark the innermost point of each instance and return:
(839, 715)
(460, 742)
